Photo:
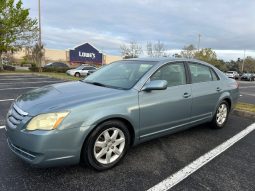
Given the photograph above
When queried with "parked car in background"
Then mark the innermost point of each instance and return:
(97, 119)
(56, 65)
(248, 77)
(82, 70)
(90, 72)
(232, 74)
(8, 67)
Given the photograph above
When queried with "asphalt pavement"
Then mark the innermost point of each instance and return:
(144, 166)
(247, 91)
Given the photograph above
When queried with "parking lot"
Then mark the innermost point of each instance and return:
(247, 91)
(145, 165)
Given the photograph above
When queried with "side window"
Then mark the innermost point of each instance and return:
(174, 74)
(200, 73)
(214, 75)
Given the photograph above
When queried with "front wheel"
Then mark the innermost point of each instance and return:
(221, 116)
(107, 145)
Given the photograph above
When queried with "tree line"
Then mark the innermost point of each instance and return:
(157, 49)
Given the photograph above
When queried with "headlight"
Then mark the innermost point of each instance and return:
(46, 121)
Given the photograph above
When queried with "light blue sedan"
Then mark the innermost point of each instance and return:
(97, 119)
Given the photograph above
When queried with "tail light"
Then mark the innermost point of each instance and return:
(237, 84)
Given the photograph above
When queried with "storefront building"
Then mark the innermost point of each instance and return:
(81, 54)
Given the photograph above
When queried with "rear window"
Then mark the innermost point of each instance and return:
(200, 73)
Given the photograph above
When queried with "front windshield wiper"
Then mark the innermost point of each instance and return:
(103, 85)
(96, 83)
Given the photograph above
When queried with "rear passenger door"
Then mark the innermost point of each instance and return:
(206, 90)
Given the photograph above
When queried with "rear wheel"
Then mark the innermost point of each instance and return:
(221, 116)
(77, 74)
(107, 145)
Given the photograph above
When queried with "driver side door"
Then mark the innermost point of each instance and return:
(162, 111)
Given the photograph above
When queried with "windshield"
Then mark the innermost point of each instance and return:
(80, 67)
(121, 75)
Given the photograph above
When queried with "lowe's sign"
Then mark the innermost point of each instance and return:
(86, 53)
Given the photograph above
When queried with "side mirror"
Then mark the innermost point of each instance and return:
(155, 85)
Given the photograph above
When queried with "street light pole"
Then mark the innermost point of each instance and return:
(243, 60)
(40, 31)
(198, 45)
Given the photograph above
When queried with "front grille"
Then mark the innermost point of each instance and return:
(15, 116)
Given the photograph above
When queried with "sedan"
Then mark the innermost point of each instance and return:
(96, 120)
(232, 74)
(248, 77)
(82, 70)
(56, 65)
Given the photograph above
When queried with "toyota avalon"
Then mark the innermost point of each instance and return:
(96, 120)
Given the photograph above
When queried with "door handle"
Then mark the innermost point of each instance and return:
(186, 95)
(218, 89)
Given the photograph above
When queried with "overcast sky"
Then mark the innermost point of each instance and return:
(227, 26)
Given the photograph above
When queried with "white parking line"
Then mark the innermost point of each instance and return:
(19, 88)
(246, 87)
(177, 177)
(13, 79)
(16, 76)
(30, 82)
(248, 94)
(2, 127)
(3, 100)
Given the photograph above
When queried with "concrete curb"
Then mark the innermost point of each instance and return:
(246, 114)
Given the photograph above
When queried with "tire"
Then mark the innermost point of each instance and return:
(77, 74)
(109, 152)
(219, 120)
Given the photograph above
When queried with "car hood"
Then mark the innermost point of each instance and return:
(62, 96)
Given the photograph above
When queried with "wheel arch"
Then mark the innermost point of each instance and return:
(123, 120)
(225, 97)
(127, 122)
(228, 100)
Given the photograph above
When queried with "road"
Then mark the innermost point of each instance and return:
(144, 166)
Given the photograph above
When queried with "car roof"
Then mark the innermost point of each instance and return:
(167, 59)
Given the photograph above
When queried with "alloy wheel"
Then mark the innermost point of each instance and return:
(222, 113)
(109, 145)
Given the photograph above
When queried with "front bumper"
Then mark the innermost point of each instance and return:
(43, 148)
(46, 148)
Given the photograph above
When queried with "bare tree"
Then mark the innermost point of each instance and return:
(159, 49)
(131, 50)
(156, 50)
(149, 49)
(188, 51)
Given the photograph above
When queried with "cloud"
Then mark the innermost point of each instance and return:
(224, 24)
